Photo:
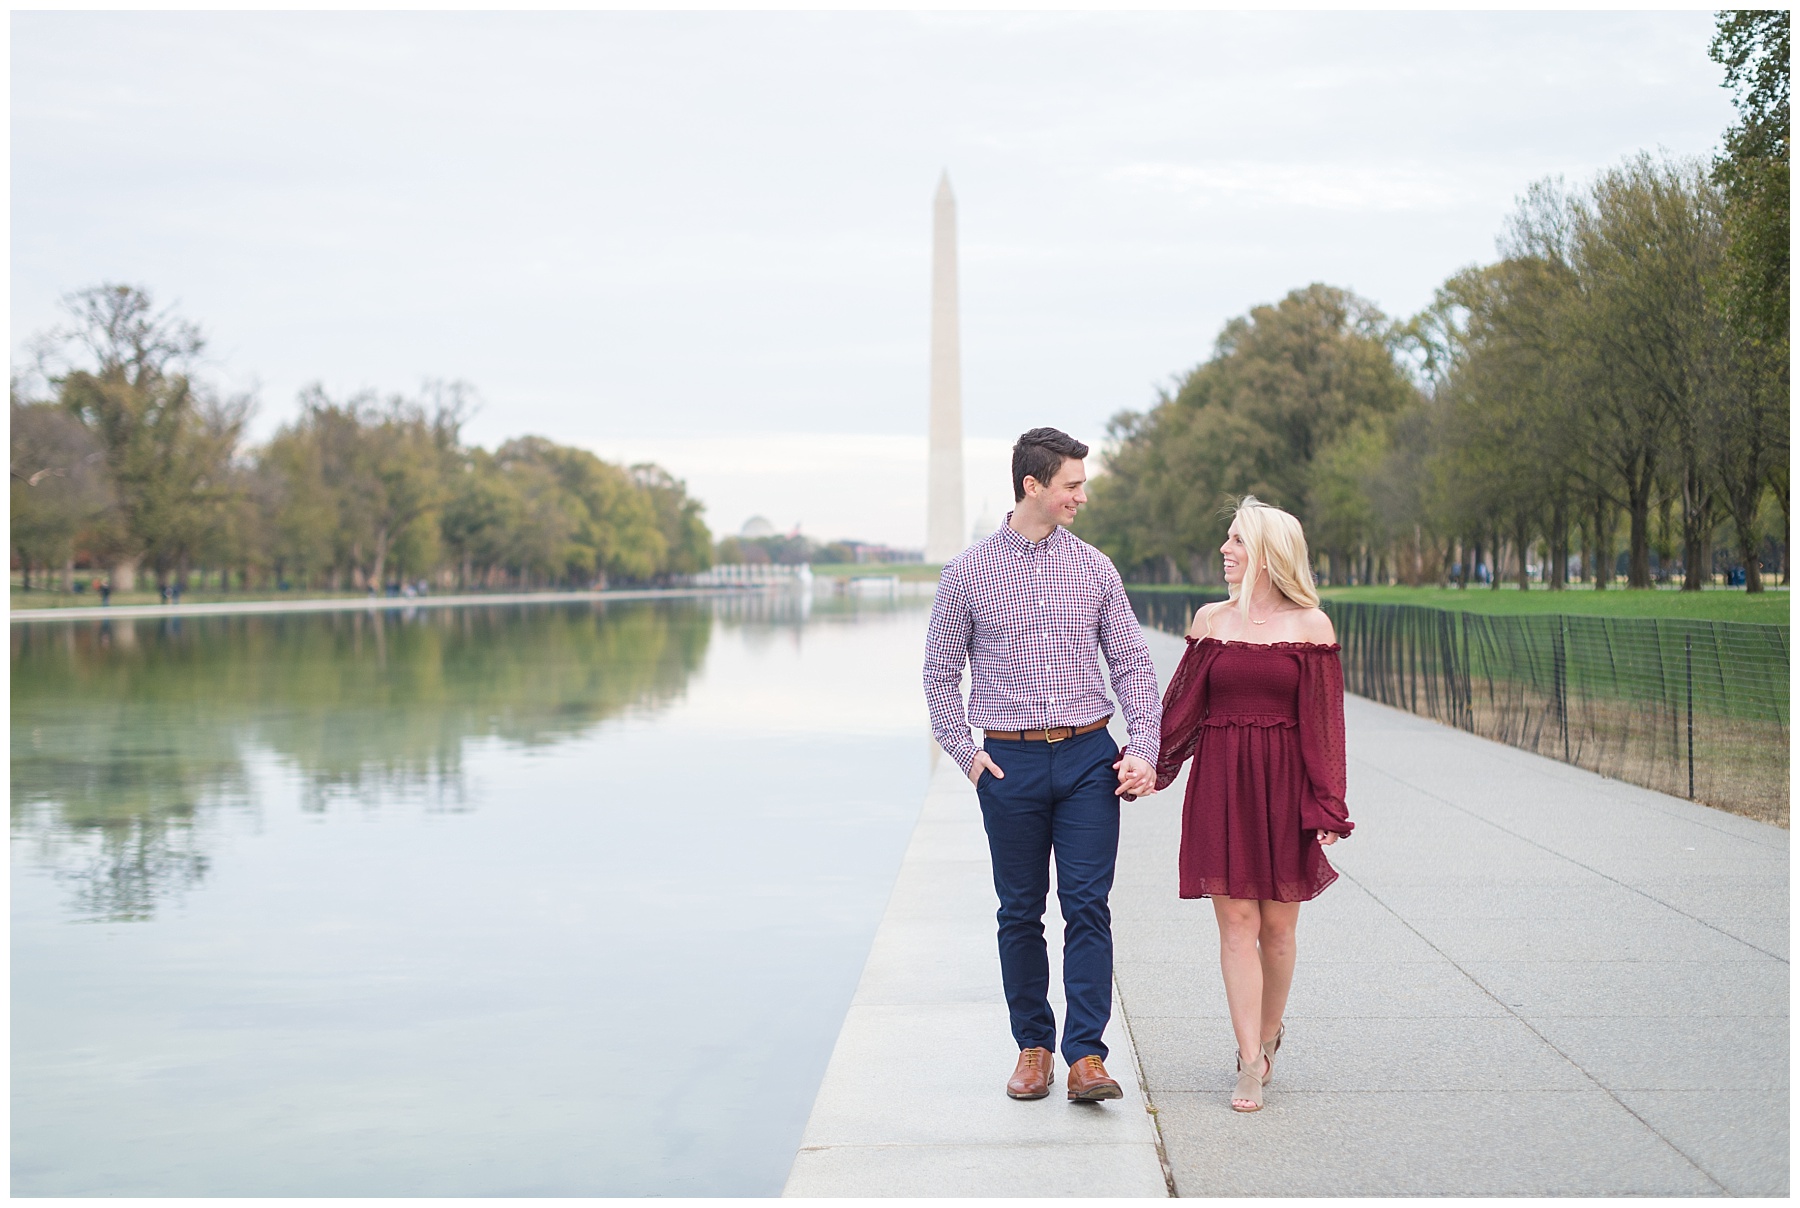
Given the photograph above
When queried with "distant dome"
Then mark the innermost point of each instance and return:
(983, 527)
(757, 526)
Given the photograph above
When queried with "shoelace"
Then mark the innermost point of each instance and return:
(1094, 1066)
(1031, 1058)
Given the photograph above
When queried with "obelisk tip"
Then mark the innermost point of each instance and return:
(943, 189)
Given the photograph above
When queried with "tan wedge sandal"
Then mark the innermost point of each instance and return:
(1272, 1047)
(1250, 1087)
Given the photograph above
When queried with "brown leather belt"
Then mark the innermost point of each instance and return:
(1053, 734)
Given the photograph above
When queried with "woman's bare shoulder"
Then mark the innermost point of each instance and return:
(1316, 627)
(1204, 617)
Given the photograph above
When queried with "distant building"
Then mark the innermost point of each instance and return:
(757, 526)
(944, 457)
(869, 551)
(985, 524)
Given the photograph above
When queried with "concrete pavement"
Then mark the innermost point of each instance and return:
(1529, 980)
(913, 1102)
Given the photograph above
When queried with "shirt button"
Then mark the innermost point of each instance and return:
(1051, 702)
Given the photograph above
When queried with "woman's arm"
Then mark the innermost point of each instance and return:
(1184, 707)
(1322, 742)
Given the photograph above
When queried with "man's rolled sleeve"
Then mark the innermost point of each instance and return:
(1132, 670)
(946, 653)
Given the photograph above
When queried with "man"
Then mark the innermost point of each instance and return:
(1026, 609)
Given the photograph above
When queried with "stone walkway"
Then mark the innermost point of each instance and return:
(1529, 980)
(913, 1102)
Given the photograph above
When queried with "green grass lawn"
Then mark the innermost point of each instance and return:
(1714, 604)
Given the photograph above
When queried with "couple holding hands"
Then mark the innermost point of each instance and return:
(1257, 702)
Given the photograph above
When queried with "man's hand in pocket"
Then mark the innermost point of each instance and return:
(983, 762)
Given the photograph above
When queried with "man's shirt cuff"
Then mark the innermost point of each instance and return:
(964, 753)
(1133, 748)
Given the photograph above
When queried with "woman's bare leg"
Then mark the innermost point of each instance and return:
(1275, 944)
(1240, 923)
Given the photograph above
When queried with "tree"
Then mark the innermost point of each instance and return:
(382, 464)
(483, 509)
(1753, 47)
(612, 524)
(1747, 423)
(137, 460)
(1630, 336)
(59, 485)
(120, 370)
(1284, 383)
(686, 542)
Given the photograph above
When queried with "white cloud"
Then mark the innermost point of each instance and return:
(1342, 186)
(692, 230)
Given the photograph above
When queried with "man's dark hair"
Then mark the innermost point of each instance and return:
(1039, 454)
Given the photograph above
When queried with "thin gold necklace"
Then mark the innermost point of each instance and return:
(1266, 619)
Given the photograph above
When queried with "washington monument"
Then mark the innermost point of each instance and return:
(944, 534)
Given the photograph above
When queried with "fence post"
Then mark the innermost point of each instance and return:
(1562, 681)
(1468, 675)
(1689, 642)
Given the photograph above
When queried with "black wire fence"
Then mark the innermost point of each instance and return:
(1698, 709)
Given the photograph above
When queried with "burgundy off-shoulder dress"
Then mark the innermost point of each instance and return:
(1265, 727)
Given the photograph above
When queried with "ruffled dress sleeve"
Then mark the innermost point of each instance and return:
(1184, 708)
(1321, 741)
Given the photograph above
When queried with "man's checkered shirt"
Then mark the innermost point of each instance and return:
(1027, 616)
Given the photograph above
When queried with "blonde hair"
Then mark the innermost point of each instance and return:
(1273, 539)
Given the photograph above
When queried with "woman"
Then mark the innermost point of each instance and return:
(1258, 701)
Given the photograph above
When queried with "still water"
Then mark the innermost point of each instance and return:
(550, 900)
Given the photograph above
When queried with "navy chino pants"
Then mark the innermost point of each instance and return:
(1055, 799)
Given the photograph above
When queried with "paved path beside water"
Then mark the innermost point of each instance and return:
(94, 612)
(913, 1102)
(1529, 980)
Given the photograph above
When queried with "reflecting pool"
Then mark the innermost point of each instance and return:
(552, 900)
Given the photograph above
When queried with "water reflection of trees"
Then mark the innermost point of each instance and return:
(126, 734)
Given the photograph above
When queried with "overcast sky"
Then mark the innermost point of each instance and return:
(705, 237)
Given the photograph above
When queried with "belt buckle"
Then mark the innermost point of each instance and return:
(1068, 732)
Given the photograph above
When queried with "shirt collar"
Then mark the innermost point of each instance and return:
(1016, 541)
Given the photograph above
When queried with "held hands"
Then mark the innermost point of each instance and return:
(1136, 777)
(1327, 838)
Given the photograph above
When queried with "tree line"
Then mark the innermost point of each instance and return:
(1617, 379)
(130, 463)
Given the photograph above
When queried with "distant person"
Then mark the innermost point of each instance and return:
(1028, 610)
(104, 587)
(1258, 702)
(163, 593)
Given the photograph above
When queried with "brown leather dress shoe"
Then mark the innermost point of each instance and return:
(1089, 1081)
(1031, 1077)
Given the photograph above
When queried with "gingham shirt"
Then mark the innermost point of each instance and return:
(1027, 616)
